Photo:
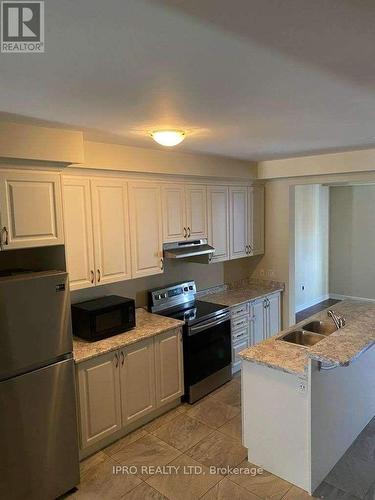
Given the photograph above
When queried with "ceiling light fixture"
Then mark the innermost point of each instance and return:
(168, 137)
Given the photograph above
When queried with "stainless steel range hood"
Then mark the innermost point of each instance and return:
(193, 251)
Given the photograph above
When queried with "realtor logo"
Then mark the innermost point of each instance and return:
(22, 27)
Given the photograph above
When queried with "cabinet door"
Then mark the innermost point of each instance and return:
(99, 398)
(168, 367)
(196, 211)
(273, 314)
(30, 209)
(218, 221)
(238, 222)
(79, 249)
(258, 321)
(111, 230)
(137, 375)
(174, 212)
(256, 220)
(146, 228)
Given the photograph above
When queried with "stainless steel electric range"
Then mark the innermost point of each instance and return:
(206, 336)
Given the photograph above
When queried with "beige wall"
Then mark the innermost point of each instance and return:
(125, 158)
(279, 230)
(311, 245)
(25, 141)
(31, 142)
(205, 276)
(347, 162)
(352, 241)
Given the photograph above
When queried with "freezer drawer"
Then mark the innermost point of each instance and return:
(38, 434)
(34, 321)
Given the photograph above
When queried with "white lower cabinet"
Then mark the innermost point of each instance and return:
(253, 322)
(273, 314)
(118, 388)
(137, 373)
(99, 403)
(258, 321)
(168, 362)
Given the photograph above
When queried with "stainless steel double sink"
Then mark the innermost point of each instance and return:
(310, 334)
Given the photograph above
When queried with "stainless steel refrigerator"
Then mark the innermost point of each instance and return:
(38, 425)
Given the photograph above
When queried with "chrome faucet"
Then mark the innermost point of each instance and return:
(338, 319)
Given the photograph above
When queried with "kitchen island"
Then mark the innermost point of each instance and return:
(303, 406)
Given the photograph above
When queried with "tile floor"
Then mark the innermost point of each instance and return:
(194, 438)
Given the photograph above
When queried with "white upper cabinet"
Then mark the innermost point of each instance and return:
(238, 222)
(196, 211)
(184, 212)
(79, 245)
(174, 212)
(218, 221)
(111, 230)
(30, 209)
(96, 230)
(256, 220)
(146, 228)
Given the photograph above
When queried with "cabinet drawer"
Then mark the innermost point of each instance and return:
(240, 334)
(236, 360)
(240, 310)
(238, 323)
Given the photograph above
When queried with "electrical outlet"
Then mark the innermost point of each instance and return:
(302, 387)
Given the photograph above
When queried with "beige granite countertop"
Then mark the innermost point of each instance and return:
(147, 325)
(236, 296)
(340, 348)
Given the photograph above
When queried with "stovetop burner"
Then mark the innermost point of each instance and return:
(198, 311)
(178, 301)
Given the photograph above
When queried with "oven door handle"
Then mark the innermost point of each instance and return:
(208, 324)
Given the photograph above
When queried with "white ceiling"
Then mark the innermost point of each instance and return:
(252, 79)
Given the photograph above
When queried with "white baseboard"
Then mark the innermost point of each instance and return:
(335, 296)
(338, 296)
(313, 302)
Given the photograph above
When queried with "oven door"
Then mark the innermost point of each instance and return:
(207, 348)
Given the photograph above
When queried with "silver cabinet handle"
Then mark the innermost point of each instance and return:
(116, 360)
(92, 276)
(162, 264)
(99, 277)
(6, 242)
(122, 358)
(189, 232)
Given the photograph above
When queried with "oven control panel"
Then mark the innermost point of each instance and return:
(171, 295)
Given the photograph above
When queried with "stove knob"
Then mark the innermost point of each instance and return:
(191, 287)
(186, 289)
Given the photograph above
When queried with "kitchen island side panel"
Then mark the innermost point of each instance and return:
(342, 404)
(275, 417)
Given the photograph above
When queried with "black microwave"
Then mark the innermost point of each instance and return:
(101, 318)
